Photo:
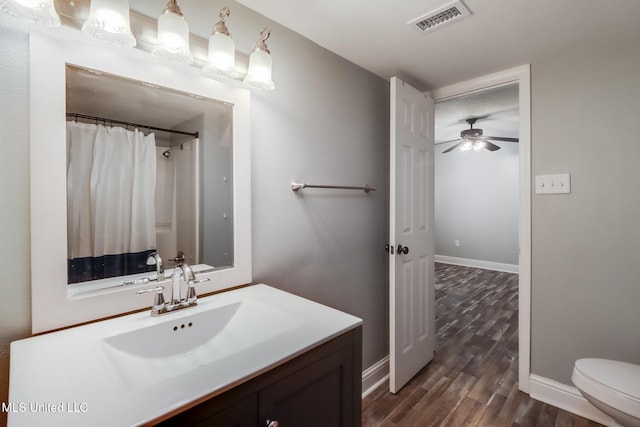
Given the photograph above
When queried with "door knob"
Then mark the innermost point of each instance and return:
(403, 249)
(272, 423)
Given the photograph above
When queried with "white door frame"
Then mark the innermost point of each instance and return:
(522, 76)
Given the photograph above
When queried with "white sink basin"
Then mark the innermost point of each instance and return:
(133, 369)
(174, 336)
(194, 338)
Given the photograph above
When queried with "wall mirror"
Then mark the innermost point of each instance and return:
(170, 151)
(96, 212)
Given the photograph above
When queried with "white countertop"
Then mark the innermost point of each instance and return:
(66, 378)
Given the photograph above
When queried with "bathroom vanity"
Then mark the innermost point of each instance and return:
(318, 388)
(247, 357)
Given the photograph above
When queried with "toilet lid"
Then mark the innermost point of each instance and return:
(610, 380)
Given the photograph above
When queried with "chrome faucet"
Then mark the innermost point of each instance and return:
(180, 271)
(154, 258)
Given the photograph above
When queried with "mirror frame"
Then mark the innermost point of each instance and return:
(52, 307)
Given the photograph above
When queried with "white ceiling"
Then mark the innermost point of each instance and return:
(499, 35)
(496, 111)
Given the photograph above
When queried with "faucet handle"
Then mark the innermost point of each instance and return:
(158, 300)
(156, 289)
(195, 282)
(192, 297)
(137, 281)
(179, 258)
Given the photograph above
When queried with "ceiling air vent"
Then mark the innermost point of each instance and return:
(444, 15)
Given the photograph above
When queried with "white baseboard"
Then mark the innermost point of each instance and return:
(374, 376)
(476, 263)
(564, 397)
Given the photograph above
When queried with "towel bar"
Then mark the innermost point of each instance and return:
(295, 186)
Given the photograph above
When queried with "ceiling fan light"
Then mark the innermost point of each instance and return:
(479, 145)
(468, 145)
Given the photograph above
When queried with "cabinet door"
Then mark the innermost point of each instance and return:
(318, 395)
(239, 414)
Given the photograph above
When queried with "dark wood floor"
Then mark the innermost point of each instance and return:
(472, 380)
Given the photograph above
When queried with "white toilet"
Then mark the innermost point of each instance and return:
(612, 387)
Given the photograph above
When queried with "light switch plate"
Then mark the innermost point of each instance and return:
(553, 184)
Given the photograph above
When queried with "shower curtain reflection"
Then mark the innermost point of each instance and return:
(111, 178)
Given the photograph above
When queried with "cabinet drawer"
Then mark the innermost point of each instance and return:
(319, 388)
(312, 397)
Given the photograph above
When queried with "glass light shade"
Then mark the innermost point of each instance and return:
(173, 39)
(221, 58)
(468, 145)
(479, 145)
(259, 72)
(41, 11)
(109, 21)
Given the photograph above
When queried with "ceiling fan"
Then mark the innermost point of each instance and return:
(472, 139)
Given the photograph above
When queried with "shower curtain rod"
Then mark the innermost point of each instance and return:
(120, 122)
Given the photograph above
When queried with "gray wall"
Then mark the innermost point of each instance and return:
(585, 283)
(476, 202)
(326, 122)
(15, 290)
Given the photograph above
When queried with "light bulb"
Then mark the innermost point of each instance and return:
(468, 145)
(259, 71)
(173, 36)
(222, 52)
(221, 59)
(479, 145)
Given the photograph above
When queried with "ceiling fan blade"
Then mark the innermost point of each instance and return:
(491, 147)
(502, 138)
(453, 147)
(446, 142)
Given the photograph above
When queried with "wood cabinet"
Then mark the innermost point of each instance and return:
(319, 388)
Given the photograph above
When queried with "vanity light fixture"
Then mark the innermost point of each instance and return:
(222, 50)
(259, 72)
(109, 21)
(41, 11)
(173, 36)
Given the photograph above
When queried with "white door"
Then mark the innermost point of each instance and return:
(411, 251)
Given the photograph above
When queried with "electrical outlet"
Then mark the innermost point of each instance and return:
(553, 184)
(456, 243)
